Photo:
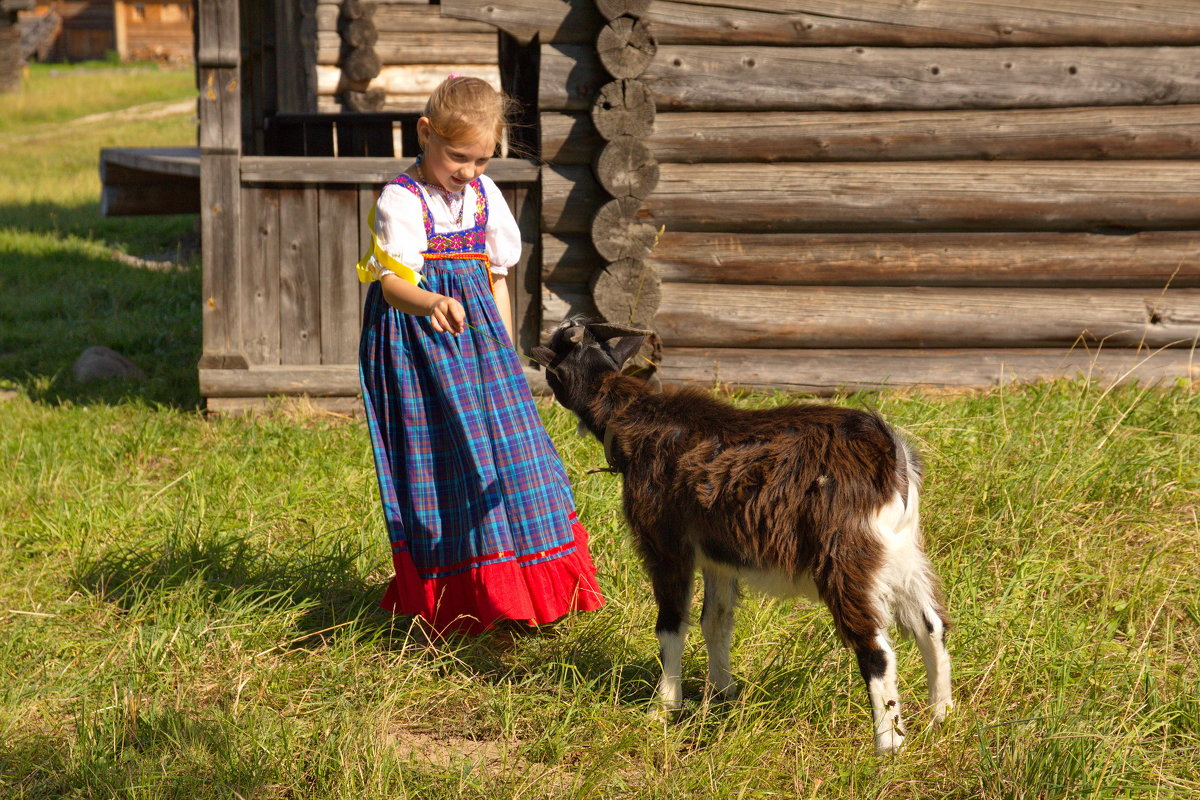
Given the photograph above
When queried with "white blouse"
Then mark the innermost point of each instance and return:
(400, 228)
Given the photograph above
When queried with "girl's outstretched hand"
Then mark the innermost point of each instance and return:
(447, 314)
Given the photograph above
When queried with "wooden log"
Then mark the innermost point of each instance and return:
(929, 23)
(370, 100)
(611, 9)
(826, 372)
(359, 33)
(563, 300)
(628, 291)
(1011, 134)
(625, 168)
(576, 21)
(422, 18)
(1059, 260)
(617, 235)
(358, 9)
(258, 295)
(694, 315)
(623, 108)
(415, 80)
(362, 64)
(625, 47)
(416, 48)
(711, 78)
(851, 197)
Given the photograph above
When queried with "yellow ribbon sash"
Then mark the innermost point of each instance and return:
(383, 258)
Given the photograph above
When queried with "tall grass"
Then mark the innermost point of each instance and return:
(188, 604)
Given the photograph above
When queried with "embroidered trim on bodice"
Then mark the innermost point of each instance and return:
(469, 240)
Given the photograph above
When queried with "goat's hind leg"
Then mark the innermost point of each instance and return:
(672, 582)
(859, 617)
(929, 631)
(877, 663)
(716, 621)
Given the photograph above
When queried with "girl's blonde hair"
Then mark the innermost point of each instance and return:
(462, 109)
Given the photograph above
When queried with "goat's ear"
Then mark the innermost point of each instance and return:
(624, 348)
(543, 355)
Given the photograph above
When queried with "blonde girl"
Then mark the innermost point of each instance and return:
(478, 509)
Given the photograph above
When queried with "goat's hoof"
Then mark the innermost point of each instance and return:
(941, 710)
(726, 694)
(663, 714)
(889, 743)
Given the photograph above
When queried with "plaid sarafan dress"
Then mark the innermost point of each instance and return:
(479, 512)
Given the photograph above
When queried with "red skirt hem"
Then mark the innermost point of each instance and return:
(474, 600)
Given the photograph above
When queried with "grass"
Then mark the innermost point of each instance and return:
(188, 604)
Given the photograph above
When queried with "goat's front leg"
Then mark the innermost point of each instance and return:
(716, 620)
(671, 578)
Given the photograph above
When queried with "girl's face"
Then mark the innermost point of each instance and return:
(452, 165)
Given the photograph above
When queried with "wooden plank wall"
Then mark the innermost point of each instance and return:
(866, 191)
(295, 299)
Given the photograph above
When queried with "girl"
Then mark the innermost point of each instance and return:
(478, 509)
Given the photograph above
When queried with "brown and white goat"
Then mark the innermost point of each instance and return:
(809, 500)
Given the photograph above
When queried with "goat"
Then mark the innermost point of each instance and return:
(810, 500)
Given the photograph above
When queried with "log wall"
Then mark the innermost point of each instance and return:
(938, 192)
(406, 48)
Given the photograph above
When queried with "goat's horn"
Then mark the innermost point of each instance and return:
(603, 331)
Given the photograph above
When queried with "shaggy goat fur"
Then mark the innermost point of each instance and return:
(809, 500)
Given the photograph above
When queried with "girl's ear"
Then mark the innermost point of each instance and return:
(423, 128)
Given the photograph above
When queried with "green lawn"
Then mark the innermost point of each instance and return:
(188, 604)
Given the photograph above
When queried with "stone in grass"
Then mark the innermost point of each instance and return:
(97, 363)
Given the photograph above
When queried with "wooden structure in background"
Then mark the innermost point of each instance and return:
(146, 30)
(880, 192)
(853, 194)
(86, 29)
(153, 30)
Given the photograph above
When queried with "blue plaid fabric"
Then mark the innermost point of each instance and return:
(468, 476)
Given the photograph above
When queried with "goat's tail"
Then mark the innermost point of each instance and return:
(909, 471)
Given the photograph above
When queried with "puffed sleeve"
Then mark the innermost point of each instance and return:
(503, 235)
(399, 228)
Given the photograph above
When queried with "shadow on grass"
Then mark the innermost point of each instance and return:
(61, 293)
(233, 573)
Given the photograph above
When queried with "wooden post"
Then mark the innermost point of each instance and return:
(220, 184)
